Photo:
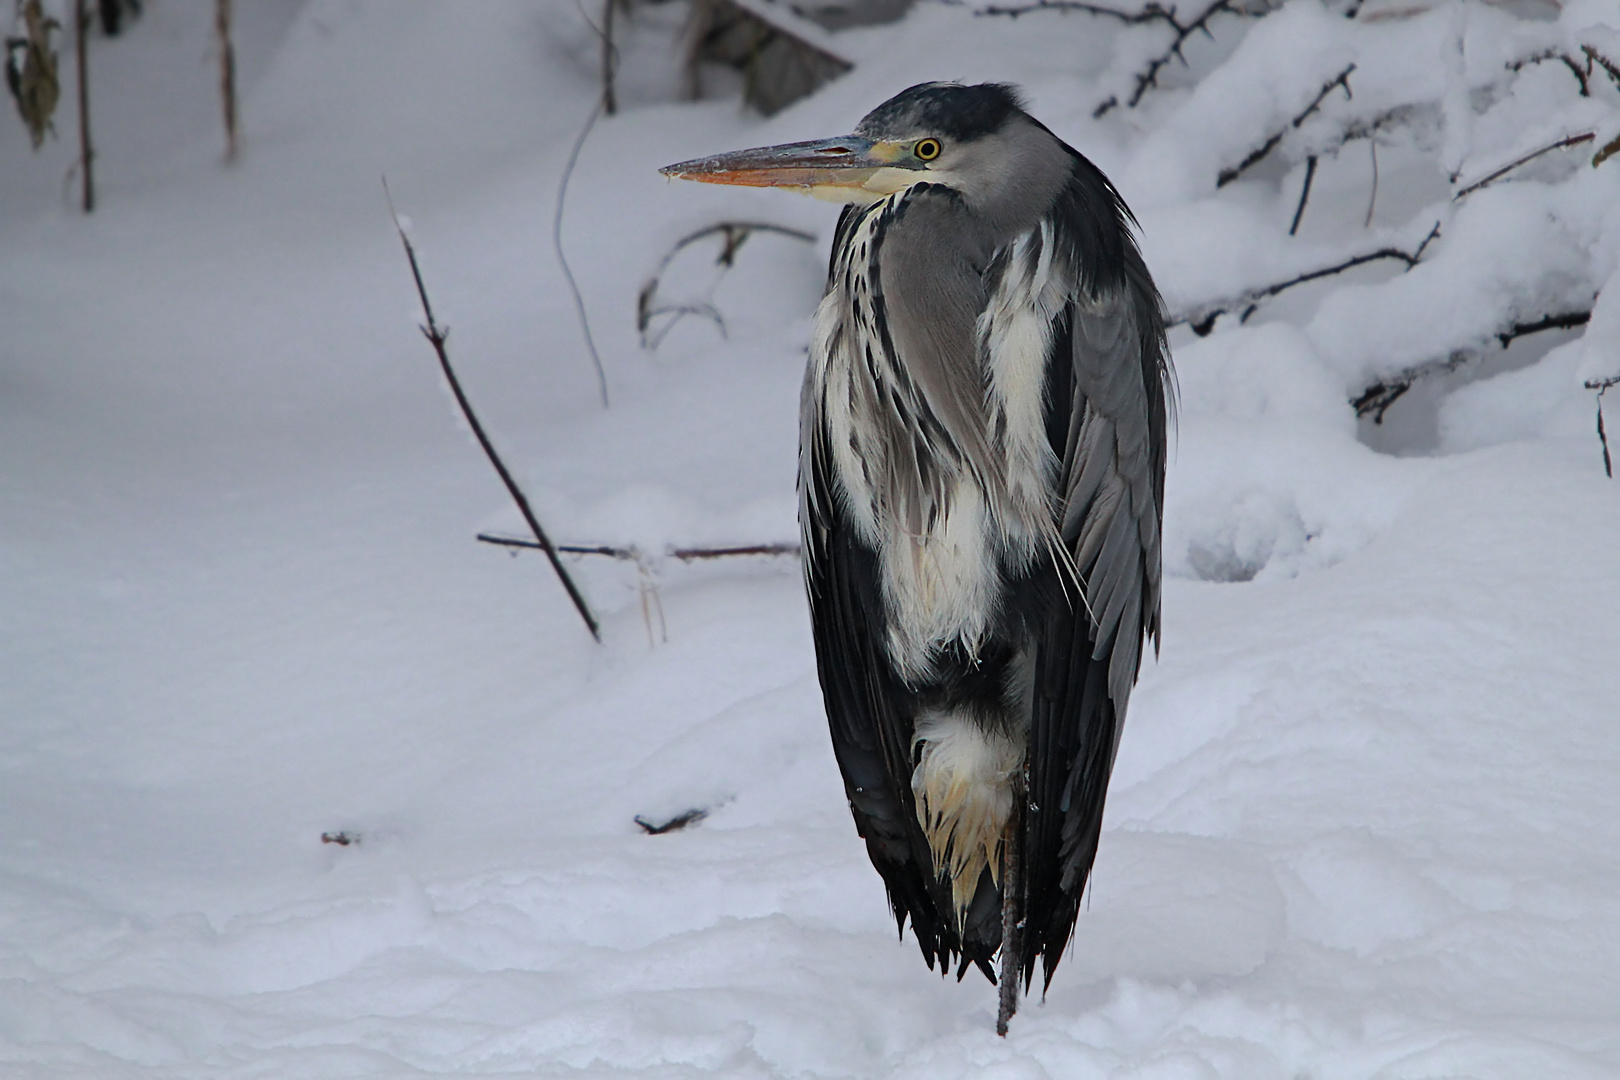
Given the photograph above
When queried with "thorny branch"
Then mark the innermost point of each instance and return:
(1561, 144)
(1149, 76)
(1258, 154)
(1379, 396)
(1602, 387)
(733, 235)
(437, 337)
(1583, 72)
(1202, 318)
(1150, 13)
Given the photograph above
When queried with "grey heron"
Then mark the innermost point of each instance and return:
(982, 454)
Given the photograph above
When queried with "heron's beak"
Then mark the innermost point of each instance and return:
(851, 169)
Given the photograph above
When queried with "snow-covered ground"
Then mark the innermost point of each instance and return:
(1366, 817)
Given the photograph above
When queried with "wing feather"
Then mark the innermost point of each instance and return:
(1109, 378)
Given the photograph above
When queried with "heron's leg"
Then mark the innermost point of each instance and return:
(1012, 909)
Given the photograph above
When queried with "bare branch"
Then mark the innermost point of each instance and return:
(1150, 13)
(227, 74)
(695, 553)
(1607, 152)
(1202, 318)
(1582, 73)
(562, 257)
(1561, 144)
(1609, 67)
(87, 153)
(437, 337)
(1304, 194)
(610, 58)
(1342, 79)
(1149, 76)
(1379, 396)
(733, 235)
(632, 554)
(1602, 387)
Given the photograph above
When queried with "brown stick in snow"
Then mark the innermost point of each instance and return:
(438, 337)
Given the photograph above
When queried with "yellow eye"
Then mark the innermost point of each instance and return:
(926, 150)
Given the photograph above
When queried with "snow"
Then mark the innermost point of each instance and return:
(1364, 819)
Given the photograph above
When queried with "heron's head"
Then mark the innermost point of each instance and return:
(975, 139)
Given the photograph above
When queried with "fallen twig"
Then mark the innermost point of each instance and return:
(438, 337)
(1568, 141)
(1202, 318)
(674, 824)
(1602, 387)
(685, 554)
(1227, 175)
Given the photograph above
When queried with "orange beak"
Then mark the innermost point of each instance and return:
(848, 164)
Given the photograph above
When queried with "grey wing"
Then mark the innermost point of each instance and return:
(1110, 410)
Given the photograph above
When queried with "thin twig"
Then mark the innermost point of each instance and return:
(610, 59)
(1582, 74)
(1202, 318)
(1150, 13)
(87, 154)
(1304, 194)
(697, 553)
(562, 257)
(1561, 144)
(674, 824)
(1149, 77)
(227, 74)
(1372, 196)
(1609, 67)
(1602, 387)
(438, 337)
(685, 554)
(734, 234)
(1567, 321)
(1342, 79)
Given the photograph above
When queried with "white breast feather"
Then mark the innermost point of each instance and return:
(940, 586)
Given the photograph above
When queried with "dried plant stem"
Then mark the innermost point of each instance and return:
(227, 74)
(562, 256)
(437, 337)
(87, 154)
(1602, 387)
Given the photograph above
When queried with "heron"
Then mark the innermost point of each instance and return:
(981, 491)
